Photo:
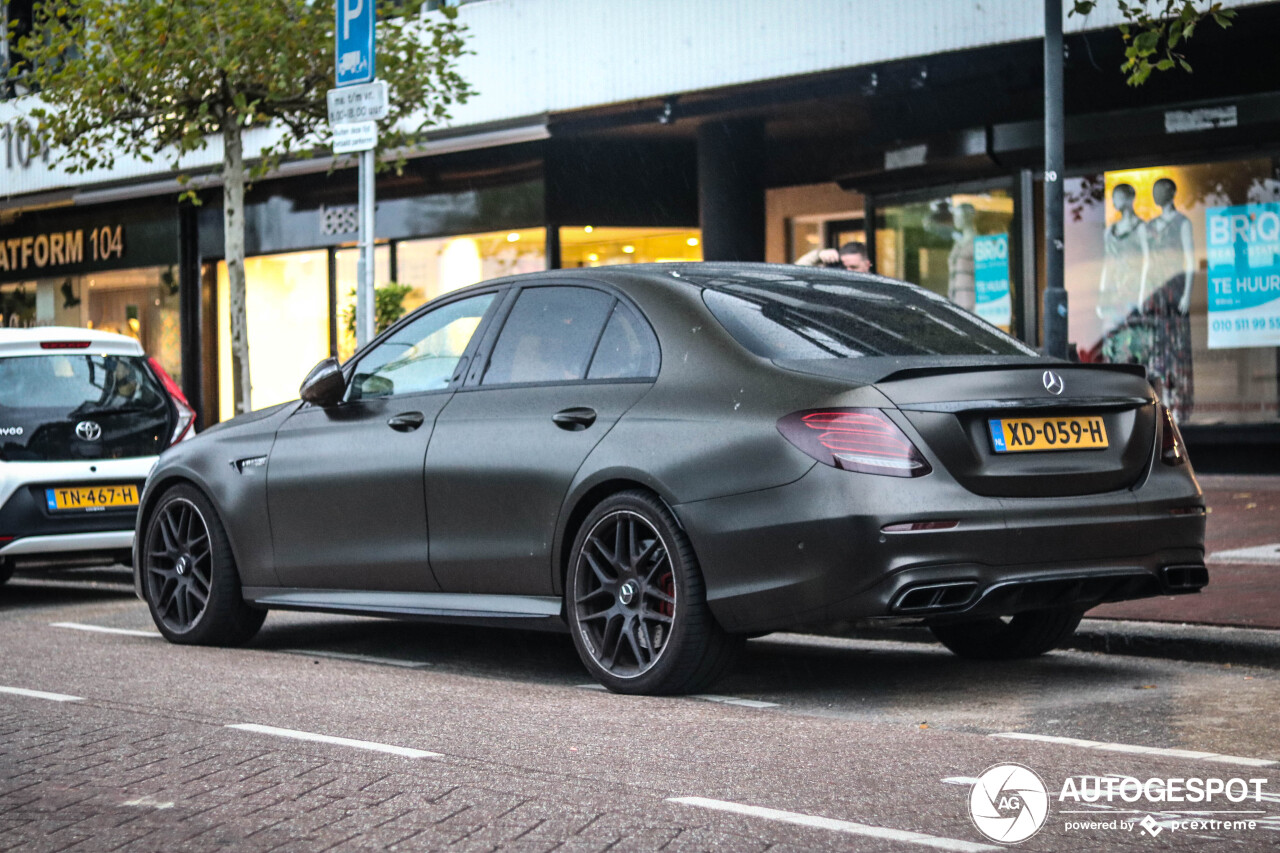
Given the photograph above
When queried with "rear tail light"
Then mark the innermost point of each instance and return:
(64, 345)
(1172, 450)
(862, 440)
(186, 414)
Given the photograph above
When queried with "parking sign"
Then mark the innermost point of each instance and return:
(353, 41)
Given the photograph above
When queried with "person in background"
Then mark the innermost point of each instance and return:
(852, 256)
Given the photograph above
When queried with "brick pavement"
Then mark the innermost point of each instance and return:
(83, 778)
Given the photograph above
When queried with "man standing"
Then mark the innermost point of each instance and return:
(852, 256)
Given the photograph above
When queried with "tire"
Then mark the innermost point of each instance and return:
(6, 569)
(1024, 635)
(189, 577)
(636, 602)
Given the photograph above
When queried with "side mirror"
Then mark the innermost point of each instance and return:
(324, 385)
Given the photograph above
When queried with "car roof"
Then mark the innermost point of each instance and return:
(28, 341)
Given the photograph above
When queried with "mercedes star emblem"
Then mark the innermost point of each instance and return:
(89, 430)
(1052, 382)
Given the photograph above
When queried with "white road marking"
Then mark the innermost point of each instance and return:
(731, 700)
(405, 751)
(149, 802)
(1262, 554)
(960, 780)
(99, 629)
(40, 694)
(1140, 750)
(407, 664)
(845, 826)
(706, 697)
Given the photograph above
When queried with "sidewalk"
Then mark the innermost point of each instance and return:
(1242, 547)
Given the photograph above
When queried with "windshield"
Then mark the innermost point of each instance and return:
(813, 314)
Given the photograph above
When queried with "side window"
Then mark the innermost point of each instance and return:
(627, 349)
(549, 336)
(422, 356)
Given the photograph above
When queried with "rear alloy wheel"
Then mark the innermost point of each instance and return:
(189, 578)
(636, 601)
(1024, 635)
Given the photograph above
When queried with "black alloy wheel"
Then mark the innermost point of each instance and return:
(190, 581)
(1023, 635)
(636, 602)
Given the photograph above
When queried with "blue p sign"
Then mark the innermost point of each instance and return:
(353, 41)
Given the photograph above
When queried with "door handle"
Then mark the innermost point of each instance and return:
(575, 419)
(406, 421)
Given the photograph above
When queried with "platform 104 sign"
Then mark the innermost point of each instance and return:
(1244, 275)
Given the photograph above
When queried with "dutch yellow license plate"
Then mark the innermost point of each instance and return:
(91, 498)
(1011, 435)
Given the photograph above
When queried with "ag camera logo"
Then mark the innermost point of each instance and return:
(1009, 803)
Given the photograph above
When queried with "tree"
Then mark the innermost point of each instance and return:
(1152, 39)
(161, 78)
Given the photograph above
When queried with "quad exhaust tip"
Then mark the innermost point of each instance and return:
(930, 598)
(1190, 578)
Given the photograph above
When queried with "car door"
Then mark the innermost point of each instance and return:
(568, 362)
(344, 482)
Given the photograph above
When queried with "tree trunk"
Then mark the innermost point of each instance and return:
(233, 177)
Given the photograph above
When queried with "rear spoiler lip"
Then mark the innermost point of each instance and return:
(916, 372)
(1024, 404)
(874, 370)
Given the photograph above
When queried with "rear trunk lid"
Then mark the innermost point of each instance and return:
(999, 428)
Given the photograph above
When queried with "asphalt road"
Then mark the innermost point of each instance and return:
(477, 739)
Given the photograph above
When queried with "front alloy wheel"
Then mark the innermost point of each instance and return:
(188, 575)
(636, 602)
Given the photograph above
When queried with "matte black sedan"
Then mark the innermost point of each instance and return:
(669, 458)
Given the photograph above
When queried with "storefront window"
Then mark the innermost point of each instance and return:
(140, 303)
(955, 245)
(287, 306)
(347, 266)
(589, 246)
(439, 265)
(1178, 268)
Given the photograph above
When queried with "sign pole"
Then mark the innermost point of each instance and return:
(365, 311)
(355, 104)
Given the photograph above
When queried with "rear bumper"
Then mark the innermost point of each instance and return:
(815, 551)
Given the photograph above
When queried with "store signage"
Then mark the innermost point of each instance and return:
(905, 158)
(353, 41)
(350, 104)
(61, 248)
(21, 148)
(1209, 118)
(1244, 275)
(992, 300)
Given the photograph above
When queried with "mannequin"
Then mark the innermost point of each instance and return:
(1170, 277)
(1126, 258)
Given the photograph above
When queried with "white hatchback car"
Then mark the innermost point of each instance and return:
(83, 416)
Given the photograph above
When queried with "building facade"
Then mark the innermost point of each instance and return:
(742, 131)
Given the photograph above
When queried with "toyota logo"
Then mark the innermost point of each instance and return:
(1052, 382)
(89, 430)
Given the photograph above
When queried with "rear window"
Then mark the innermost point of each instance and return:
(80, 383)
(816, 314)
(44, 398)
